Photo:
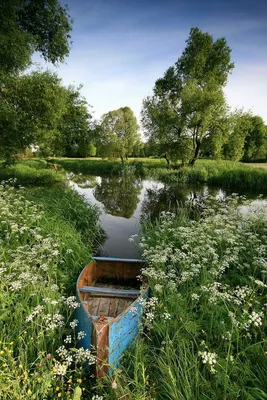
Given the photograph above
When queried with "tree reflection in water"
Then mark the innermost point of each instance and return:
(119, 195)
(173, 197)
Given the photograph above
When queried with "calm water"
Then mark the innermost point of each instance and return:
(126, 201)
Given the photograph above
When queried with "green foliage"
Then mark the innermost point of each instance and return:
(43, 251)
(239, 127)
(219, 173)
(29, 175)
(205, 324)
(117, 134)
(189, 98)
(224, 173)
(74, 129)
(30, 109)
(255, 147)
(90, 167)
(67, 205)
(91, 149)
(28, 26)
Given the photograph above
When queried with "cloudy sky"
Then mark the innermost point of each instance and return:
(120, 47)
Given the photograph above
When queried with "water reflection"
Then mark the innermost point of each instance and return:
(126, 202)
(119, 195)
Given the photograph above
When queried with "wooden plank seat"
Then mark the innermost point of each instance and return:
(110, 292)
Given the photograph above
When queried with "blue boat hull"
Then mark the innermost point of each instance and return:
(110, 337)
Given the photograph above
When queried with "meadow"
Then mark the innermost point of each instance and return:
(229, 174)
(46, 236)
(203, 333)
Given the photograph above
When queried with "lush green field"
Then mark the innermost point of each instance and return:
(44, 244)
(205, 324)
(228, 174)
(204, 328)
(31, 172)
(219, 173)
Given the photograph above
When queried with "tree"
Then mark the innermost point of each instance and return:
(240, 124)
(118, 133)
(255, 146)
(31, 107)
(32, 25)
(189, 97)
(219, 131)
(75, 127)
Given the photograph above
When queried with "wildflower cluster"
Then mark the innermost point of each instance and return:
(38, 319)
(209, 276)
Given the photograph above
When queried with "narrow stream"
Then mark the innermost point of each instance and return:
(125, 201)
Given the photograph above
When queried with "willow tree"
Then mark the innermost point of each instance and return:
(118, 133)
(189, 98)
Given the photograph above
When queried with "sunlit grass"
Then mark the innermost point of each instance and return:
(205, 337)
(43, 249)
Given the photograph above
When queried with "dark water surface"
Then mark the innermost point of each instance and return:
(125, 201)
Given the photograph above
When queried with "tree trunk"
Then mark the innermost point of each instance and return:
(198, 144)
(122, 159)
(168, 160)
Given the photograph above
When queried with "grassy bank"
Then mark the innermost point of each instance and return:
(218, 173)
(46, 237)
(206, 320)
(31, 172)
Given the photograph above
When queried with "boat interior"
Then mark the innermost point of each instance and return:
(107, 288)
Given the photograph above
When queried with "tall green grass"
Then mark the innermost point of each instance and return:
(204, 334)
(46, 237)
(63, 204)
(219, 173)
(30, 173)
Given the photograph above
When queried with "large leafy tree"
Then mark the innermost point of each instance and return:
(76, 127)
(118, 133)
(239, 123)
(255, 146)
(189, 97)
(31, 107)
(32, 25)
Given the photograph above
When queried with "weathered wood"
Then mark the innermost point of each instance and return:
(110, 309)
(110, 291)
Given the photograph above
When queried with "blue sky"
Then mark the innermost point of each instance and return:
(121, 47)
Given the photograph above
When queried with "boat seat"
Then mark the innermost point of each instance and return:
(110, 292)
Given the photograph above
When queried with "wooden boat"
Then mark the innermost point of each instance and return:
(110, 297)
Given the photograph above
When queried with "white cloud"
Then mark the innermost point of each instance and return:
(120, 68)
(247, 88)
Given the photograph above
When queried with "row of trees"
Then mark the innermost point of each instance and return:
(36, 109)
(186, 116)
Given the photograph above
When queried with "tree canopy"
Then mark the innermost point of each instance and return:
(30, 109)
(32, 25)
(75, 127)
(118, 133)
(189, 97)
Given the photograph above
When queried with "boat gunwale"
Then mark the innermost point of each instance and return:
(109, 320)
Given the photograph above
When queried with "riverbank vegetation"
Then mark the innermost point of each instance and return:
(219, 173)
(206, 321)
(203, 333)
(46, 236)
